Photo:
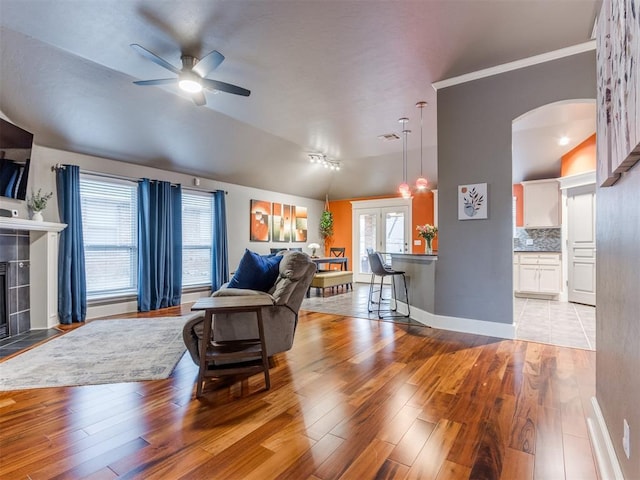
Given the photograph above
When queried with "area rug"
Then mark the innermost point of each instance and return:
(102, 351)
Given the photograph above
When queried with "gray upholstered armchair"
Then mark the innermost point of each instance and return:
(296, 270)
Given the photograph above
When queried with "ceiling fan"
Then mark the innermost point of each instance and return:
(191, 78)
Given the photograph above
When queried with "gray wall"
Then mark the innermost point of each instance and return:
(617, 313)
(474, 272)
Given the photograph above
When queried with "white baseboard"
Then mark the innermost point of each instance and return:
(606, 459)
(119, 308)
(459, 324)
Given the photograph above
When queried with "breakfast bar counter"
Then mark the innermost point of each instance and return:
(420, 271)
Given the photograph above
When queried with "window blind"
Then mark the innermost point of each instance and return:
(109, 222)
(197, 225)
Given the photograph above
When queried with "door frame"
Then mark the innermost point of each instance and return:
(566, 184)
(379, 204)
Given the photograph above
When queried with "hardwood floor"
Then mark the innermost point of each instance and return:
(354, 398)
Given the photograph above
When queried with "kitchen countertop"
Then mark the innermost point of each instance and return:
(535, 251)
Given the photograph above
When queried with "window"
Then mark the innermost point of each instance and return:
(197, 230)
(109, 223)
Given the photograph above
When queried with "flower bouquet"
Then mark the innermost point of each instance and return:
(428, 232)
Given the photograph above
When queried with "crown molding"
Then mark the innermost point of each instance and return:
(508, 67)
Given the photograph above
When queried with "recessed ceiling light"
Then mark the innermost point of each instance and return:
(564, 140)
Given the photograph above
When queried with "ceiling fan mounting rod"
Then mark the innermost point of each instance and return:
(188, 62)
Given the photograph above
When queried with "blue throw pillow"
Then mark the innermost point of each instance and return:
(256, 272)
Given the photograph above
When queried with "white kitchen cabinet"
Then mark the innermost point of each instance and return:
(516, 272)
(541, 202)
(539, 273)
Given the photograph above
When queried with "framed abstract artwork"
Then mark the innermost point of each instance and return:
(281, 222)
(300, 224)
(472, 201)
(260, 211)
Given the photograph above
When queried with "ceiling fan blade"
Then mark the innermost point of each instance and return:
(154, 58)
(159, 81)
(199, 98)
(225, 87)
(208, 63)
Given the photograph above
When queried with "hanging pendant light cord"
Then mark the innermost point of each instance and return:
(421, 109)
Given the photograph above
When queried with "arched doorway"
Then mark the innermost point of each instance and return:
(553, 160)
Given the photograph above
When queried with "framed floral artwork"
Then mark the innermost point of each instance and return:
(472, 201)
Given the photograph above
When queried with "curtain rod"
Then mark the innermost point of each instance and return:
(59, 166)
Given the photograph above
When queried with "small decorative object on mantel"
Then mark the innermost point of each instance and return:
(313, 247)
(428, 232)
(37, 203)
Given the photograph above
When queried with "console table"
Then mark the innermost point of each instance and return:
(342, 261)
(247, 356)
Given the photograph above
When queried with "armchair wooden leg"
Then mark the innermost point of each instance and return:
(202, 350)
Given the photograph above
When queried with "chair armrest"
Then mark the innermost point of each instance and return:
(241, 292)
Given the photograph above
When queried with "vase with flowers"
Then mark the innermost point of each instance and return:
(37, 203)
(428, 232)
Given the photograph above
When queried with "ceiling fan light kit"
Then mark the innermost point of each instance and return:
(191, 78)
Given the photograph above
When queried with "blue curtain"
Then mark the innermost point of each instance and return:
(72, 283)
(159, 245)
(219, 250)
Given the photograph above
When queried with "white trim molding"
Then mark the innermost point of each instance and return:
(459, 324)
(508, 67)
(606, 459)
(577, 180)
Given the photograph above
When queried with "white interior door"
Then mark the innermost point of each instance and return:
(581, 244)
(385, 229)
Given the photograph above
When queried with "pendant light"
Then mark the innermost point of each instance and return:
(404, 189)
(421, 183)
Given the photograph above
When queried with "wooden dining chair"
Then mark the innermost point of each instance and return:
(338, 252)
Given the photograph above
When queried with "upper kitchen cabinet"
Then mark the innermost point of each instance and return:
(541, 203)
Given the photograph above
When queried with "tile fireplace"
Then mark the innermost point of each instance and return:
(29, 250)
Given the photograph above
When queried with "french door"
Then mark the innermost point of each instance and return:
(382, 225)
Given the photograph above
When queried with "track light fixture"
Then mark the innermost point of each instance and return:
(322, 159)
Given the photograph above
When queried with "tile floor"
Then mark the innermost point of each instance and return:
(347, 302)
(11, 345)
(557, 323)
(544, 321)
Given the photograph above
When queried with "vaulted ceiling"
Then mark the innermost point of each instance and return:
(325, 76)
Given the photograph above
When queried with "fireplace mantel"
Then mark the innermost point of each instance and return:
(13, 223)
(43, 254)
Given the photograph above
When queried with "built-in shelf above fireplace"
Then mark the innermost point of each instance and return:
(13, 223)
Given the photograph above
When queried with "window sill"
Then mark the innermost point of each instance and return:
(132, 297)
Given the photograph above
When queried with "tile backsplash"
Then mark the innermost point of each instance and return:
(544, 240)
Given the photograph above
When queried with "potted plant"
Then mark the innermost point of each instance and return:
(37, 203)
(428, 232)
(326, 222)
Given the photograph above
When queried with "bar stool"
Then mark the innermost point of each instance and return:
(378, 268)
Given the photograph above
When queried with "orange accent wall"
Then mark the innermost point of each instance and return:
(581, 159)
(422, 207)
(518, 192)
